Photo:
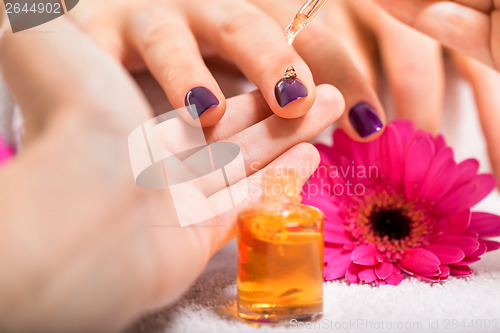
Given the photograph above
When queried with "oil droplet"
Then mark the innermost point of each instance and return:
(290, 73)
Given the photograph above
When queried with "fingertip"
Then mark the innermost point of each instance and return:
(293, 97)
(203, 107)
(212, 116)
(364, 122)
(313, 156)
(328, 96)
(309, 156)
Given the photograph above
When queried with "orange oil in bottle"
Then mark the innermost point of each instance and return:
(280, 255)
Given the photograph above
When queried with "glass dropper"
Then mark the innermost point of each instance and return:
(305, 14)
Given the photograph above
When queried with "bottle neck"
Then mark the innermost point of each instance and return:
(281, 192)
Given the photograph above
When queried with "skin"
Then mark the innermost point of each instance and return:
(472, 29)
(469, 26)
(76, 232)
(142, 34)
(341, 48)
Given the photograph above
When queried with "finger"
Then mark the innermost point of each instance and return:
(59, 85)
(264, 141)
(332, 52)
(470, 30)
(485, 83)
(242, 112)
(414, 66)
(105, 30)
(256, 44)
(170, 51)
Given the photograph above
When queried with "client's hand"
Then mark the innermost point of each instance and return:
(77, 239)
(171, 36)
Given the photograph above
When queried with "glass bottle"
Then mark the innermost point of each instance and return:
(280, 254)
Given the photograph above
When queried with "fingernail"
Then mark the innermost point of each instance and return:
(289, 88)
(365, 120)
(198, 100)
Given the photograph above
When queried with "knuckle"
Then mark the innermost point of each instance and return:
(171, 76)
(318, 33)
(353, 80)
(239, 20)
(156, 32)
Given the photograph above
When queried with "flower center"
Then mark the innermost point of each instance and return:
(384, 218)
(391, 223)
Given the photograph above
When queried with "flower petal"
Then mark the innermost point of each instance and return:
(491, 245)
(468, 194)
(439, 142)
(338, 268)
(485, 224)
(331, 253)
(391, 155)
(342, 143)
(352, 273)
(336, 234)
(459, 222)
(405, 129)
(419, 156)
(325, 152)
(440, 176)
(467, 244)
(445, 272)
(367, 274)
(365, 255)
(466, 171)
(428, 278)
(475, 256)
(395, 278)
(420, 261)
(455, 224)
(447, 254)
(384, 269)
(460, 270)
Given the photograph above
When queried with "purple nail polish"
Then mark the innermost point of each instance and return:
(199, 100)
(289, 90)
(365, 120)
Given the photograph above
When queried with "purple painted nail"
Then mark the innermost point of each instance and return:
(365, 120)
(199, 100)
(289, 88)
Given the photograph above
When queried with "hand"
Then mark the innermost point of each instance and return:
(342, 48)
(170, 38)
(77, 234)
(469, 26)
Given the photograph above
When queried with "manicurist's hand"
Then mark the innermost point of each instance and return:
(171, 37)
(78, 245)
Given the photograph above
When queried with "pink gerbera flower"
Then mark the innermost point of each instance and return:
(6, 151)
(400, 204)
